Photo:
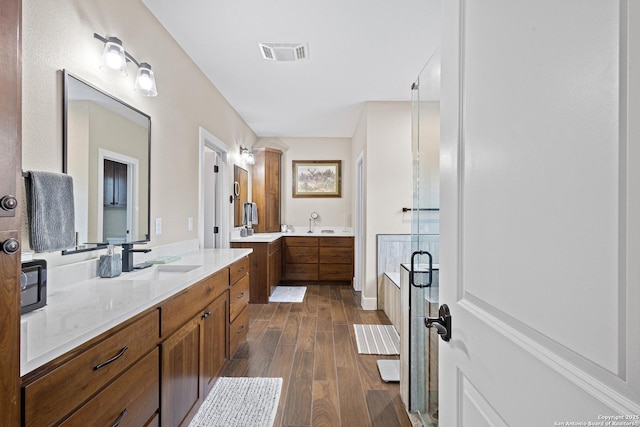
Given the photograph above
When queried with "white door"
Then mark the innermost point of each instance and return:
(210, 185)
(540, 212)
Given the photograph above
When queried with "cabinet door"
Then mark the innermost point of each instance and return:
(120, 184)
(180, 372)
(108, 190)
(275, 268)
(115, 183)
(273, 191)
(214, 340)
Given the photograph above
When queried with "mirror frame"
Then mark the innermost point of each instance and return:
(65, 114)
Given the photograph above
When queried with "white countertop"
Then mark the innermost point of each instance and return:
(299, 232)
(78, 312)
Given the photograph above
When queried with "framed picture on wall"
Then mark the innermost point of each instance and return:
(317, 178)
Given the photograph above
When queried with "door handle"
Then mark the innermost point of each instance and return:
(442, 323)
(412, 272)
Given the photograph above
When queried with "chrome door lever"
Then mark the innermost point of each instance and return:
(442, 323)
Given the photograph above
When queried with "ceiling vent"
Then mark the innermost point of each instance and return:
(284, 51)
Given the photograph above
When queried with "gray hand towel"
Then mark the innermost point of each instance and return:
(254, 213)
(50, 210)
(249, 213)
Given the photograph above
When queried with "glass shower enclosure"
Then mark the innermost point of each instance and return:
(423, 271)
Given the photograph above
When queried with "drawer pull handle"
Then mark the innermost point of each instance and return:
(240, 296)
(207, 314)
(119, 420)
(241, 269)
(240, 330)
(113, 359)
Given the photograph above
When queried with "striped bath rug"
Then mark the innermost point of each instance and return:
(239, 401)
(377, 339)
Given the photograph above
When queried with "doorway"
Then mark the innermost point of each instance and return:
(213, 211)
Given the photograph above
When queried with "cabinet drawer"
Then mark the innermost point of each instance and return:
(275, 246)
(301, 254)
(239, 297)
(238, 331)
(56, 394)
(301, 241)
(336, 255)
(132, 399)
(180, 309)
(300, 272)
(238, 269)
(336, 272)
(345, 242)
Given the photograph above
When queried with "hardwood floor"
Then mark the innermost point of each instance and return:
(312, 346)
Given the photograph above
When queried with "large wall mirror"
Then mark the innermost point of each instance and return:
(106, 147)
(240, 193)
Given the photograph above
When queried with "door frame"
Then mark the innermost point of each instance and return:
(207, 139)
(133, 172)
(359, 224)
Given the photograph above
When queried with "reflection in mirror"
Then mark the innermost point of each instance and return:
(106, 151)
(240, 193)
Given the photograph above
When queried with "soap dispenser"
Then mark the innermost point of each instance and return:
(110, 265)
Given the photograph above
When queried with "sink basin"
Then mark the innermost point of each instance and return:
(161, 272)
(326, 231)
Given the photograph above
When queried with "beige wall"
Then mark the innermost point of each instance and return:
(332, 210)
(388, 176)
(59, 35)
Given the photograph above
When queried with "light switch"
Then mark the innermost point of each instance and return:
(158, 226)
(190, 223)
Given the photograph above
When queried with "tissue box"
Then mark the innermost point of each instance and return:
(110, 265)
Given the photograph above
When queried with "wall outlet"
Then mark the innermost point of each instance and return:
(190, 223)
(158, 226)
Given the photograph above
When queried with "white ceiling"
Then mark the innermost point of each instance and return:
(359, 50)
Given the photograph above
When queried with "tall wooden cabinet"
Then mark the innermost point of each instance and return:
(265, 188)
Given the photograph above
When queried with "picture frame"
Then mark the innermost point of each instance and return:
(316, 178)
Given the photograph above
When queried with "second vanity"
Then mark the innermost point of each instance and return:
(141, 349)
(323, 256)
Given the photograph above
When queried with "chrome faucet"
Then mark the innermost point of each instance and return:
(127, 255)
(314, 216)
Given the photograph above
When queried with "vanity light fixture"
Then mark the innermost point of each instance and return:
(145, 82)
(115, 58)
(246, 156)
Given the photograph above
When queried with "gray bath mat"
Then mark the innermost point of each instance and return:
(377, 339)
(235, 402)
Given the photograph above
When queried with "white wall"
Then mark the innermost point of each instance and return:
(59, 35)
(383, 134)
(332, 210)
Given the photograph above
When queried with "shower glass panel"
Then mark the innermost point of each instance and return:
(425, 242)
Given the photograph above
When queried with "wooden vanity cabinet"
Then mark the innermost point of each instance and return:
(153, 369)
(266, 268)
(327, 259)
(240, 280)
(300, 258)
(265, 189)
(194, 324)
(84, 378)
(335, 259)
